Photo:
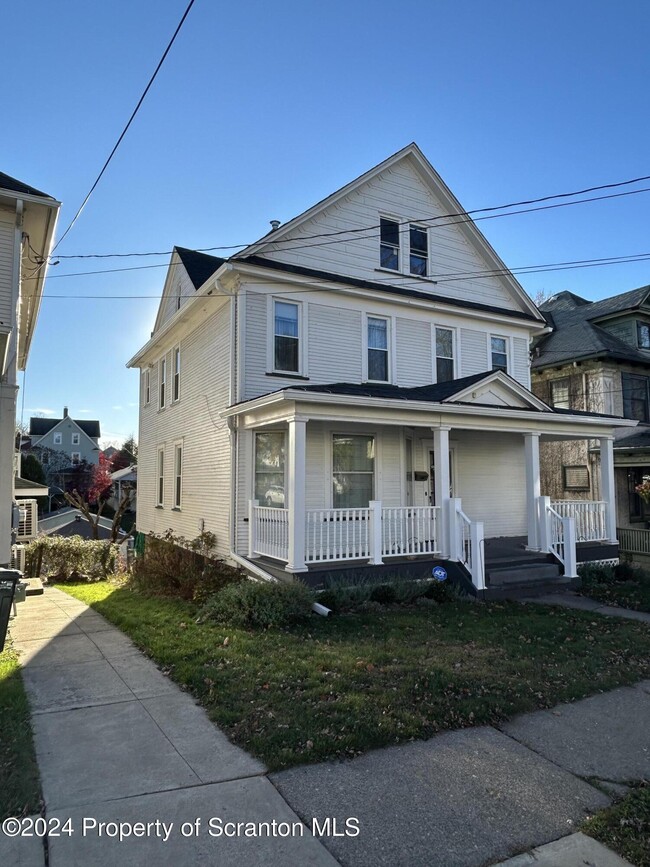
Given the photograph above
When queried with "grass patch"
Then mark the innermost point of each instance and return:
(625, 826)
(339, 686)
(20, 792)
(633, 593)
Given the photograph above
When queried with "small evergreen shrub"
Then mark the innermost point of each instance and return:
(353, 597)
(72, 558)
(439, 591)
(625, 571)
(384, 594)
(259, 604)
(596, 573)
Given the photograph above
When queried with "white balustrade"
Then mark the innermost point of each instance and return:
(337, 534)
(269, 531)
(409, 530)
(590, 518)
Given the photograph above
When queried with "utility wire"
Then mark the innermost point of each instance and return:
(267, 238)
(129, 122)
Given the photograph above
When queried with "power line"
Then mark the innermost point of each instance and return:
(429, 219)
(128, 124)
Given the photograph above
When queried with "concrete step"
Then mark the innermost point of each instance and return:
(522, 574)
(525, 558)
(34, 586)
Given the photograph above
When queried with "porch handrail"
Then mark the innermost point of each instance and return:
(467, 542)
(590, 518)
(409, 530)
(558, 536)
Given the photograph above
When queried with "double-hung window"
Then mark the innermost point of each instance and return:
(378, 349)
(178, 474)
(286, 336)
(163, 382)
(75, 439)
(444, 354)
(58, 439)
(499, 351)
(389, 244)
(419, 250)
(636, 401)
(176, 387)
(560, 393)
(76, 458)
(160, 485)
(353, 471)
(269, 468)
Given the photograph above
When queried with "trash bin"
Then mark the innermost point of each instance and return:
(8, 580)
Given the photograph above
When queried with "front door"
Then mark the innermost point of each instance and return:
(432, 476)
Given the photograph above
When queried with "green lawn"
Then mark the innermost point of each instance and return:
(346, 684)
(625, 827)
(633, 594)
(20, 787)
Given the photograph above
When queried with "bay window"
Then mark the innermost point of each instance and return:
(353, 471)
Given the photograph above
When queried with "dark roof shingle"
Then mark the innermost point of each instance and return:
(199, 266)
(16, 186)
(38, 427)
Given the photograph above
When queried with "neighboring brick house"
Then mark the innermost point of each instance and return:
(597, 359)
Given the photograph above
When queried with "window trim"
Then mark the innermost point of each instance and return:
(162, 382)
(285, 468)
(434, 349)
(400, 257)
(302, 336)
(419, 255)
(77, 441)
(177, 498)
(160, 477)
(146, 386)
(373, 434)
(390, 362)
(639, 325)
(176, 373)
(508, 353)
(57, 438)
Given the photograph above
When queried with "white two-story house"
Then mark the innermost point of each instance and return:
(353, 390)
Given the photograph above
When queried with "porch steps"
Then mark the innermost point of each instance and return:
(512, 572)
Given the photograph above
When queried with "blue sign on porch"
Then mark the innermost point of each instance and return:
(439, 573)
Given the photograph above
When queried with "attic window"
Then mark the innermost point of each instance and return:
(419, 250)
(389, 248)
(576, 478)
(643, 335)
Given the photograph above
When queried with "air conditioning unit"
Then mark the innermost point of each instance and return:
(28, 524)
(18, 557)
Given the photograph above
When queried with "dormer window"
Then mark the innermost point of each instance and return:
(643, 335)
(419, 250)
(389, 247)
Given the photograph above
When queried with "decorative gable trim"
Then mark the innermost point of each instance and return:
(501, 387)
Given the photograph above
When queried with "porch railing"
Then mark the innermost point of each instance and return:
(558, 536)
(467, 542)
(634, 540)
(269, 531)
(337, 534)
(409, 530)
(590, 518)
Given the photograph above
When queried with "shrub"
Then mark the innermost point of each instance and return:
(596, 573)
(174, 566)
(259, 604)
(625, 571)
(71, 558)
(340, 597)
(384, 594)
(440, 591)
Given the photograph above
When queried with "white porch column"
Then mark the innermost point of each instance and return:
(608, 485)
(531, 453)
(296, 493)
(441, 485)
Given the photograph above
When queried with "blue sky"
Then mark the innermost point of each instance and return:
(263, 108)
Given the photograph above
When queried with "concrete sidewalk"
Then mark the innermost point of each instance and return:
(118, 742)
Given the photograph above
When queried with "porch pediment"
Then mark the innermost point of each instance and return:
(498, 389)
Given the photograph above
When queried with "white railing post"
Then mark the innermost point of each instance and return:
(439, 486)
(543, 505)
(252, 528)
(478, 559)
(608, 486)
(375, 532)
(570, 564)
(297, 498)
(531, 456)
(451, 543)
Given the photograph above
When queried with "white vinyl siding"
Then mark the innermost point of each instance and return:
(7, 236)
(413, 351)
(520, 361)
(474, 349)
(160, 477)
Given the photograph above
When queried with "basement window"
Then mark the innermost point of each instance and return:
(576, 478)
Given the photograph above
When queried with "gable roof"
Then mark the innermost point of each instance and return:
(199, 266)
(577, 333)
(38, 427)
(443, 194)
(16, 186)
